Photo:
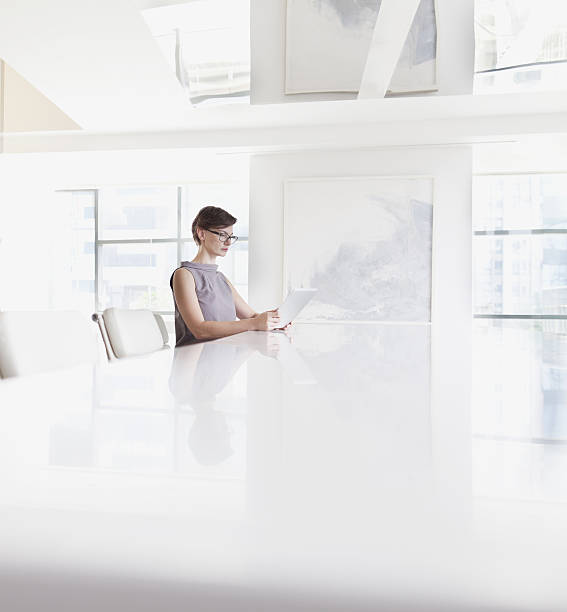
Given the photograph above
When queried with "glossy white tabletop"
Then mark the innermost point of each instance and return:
(268, 472)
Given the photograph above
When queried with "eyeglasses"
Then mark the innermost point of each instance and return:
(223, 236)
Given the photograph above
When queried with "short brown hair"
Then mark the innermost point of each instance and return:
(209, 217)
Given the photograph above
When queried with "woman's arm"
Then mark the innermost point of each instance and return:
(188, 305)
(243, 310)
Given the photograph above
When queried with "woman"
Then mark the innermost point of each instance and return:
(206, 303)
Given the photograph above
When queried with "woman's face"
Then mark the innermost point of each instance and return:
(212, 242)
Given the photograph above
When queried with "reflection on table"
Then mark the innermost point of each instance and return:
(300, 463)
(519, 410)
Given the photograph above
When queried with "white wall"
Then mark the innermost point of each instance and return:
(455, 51)
(24, 240)
(451, 167)
(451, 313)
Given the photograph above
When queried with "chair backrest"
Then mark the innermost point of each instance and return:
(104, 336)
(39, 341)
(133, 332)
(162, 328)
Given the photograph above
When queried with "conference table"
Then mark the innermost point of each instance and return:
(330, 467)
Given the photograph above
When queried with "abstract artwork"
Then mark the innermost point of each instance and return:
(364, 242)
(327, 42)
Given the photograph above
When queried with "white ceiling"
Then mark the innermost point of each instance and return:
(95, 59)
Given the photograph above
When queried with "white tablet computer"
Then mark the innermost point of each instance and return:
(294, 303)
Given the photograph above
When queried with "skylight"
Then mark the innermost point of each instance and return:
(521, 45)
(207, 45)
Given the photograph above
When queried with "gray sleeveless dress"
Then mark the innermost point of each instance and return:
(214, 295)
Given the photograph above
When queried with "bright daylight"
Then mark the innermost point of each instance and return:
(283, 305)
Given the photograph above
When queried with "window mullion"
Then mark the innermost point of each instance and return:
(97, 255)
(179, 205)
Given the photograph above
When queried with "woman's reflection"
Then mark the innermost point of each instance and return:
(198, 374)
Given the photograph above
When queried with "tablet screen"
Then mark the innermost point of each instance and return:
(294, 303)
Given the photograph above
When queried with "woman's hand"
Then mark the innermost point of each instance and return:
(267, 321)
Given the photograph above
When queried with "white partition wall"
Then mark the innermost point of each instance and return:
(451, 308)
(449, 166)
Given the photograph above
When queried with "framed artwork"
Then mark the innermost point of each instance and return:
(364, 242)
(327, 42)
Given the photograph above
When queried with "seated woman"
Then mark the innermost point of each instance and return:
(206, 303)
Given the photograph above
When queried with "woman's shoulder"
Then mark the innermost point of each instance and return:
(182, 275)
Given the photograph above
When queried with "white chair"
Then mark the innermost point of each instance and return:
(33, 341)
(127, 333)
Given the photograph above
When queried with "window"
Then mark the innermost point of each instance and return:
(519, 388)
(521, 45)
(72, 254)
(123, 253)
(207, 45)
(520, 246)
(137, 212)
